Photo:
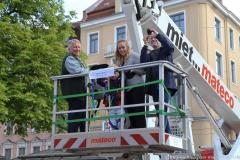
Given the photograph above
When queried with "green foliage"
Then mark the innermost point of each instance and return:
(83, 57)
(3, 100)
(32, 46)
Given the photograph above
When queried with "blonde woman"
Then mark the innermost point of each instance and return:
(125, 56)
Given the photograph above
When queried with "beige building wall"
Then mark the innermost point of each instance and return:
(107, 41)
(200, 29)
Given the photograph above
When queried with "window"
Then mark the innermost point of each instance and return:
(21, 148)
(36, 146)
(8, 153)
(48, 144)
(231, 38)
(233, 71)
(219, 67)
(93, 43)
(21, 151)
(217, 29)
(36, 149)
(121, 33)
(178, 19)
(239, 41)
(7, 149)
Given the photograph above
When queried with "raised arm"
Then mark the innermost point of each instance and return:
(166, 44)
(145, 56)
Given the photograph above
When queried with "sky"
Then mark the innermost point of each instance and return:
(80, 5)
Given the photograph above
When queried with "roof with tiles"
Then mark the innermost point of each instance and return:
(101, 8)
(104, 8)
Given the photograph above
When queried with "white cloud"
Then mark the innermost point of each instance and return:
(233, 5)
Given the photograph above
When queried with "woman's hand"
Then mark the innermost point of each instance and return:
(145, 40)
(116, 75)
(129, 74)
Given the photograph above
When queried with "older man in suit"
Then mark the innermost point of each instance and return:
(72, 64)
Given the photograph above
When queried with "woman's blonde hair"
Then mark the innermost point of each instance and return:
(119, 58)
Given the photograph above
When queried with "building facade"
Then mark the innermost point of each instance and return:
(215, 33)
(102, 26)
(13, 145)
(211, 28)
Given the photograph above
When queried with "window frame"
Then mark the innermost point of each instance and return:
(231, 41)
(10, 153)
(220, 29)
(235, 71)
(239, 41)
(21, 145)
(115, 33)
(185, 20)
(36, 144)
(221, 64)
(48, 143)
(8, 145)
(89, 44)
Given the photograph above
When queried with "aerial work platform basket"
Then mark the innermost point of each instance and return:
(201, 82)
(105, 140)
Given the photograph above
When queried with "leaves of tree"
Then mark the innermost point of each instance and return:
(32, 45)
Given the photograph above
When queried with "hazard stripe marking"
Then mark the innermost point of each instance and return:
(56, 141)
(129, 139)
(149, 139)
(166, 138)
(155, 136)
(84, 144)
(123, 141)
(69, 143)
(139, 139)
(132, 139)
(77, 143)
(61, 143)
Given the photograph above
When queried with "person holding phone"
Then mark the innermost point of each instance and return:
(162, 49)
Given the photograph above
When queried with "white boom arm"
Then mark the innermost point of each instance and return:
(209, 86)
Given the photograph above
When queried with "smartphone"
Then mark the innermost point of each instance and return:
(149, 31)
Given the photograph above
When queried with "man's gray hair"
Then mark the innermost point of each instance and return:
(71, 42)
